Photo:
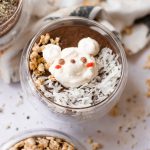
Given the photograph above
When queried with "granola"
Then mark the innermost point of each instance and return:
(37, 64)
(43, 143)
(148, 85)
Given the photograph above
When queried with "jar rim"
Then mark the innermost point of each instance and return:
(39, 133)
(122, 81)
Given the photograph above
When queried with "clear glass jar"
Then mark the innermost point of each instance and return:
(15, 25)
(68, 114)
(41, 132)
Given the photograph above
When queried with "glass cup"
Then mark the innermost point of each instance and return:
(68, 114)
(40, 133)
(15, 25)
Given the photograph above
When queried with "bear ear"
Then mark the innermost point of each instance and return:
(51, 52)
(89, 46)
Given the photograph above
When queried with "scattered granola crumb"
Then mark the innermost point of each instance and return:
(129, 100)
(148, 91)
(124, 115)
(135, 96)
(148, 94)
(130, 129)
(143, 120)
(133, 146)
(13, 113)
(8, 126)
(97, 146)
(93, 2)
(132, 98)
(127, 50)
(90, 140)
(120, 128)
(99, 131)
(28, 117)
(148, 115)
(115, 111)
(21, 97)
(132, 135)
(1, 110)
(17, 129)
(147, 64)
(127, 30)
(118, 142)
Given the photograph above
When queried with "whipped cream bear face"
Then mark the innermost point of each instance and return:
(73, 66)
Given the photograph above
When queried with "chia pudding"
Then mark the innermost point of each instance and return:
(74, 66)
(9, 14)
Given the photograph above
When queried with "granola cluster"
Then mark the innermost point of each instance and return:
(148, 85)
(95, 145)
(147, 65)
(43, 143)
(114, 111)
(37, 64)
(127, 30)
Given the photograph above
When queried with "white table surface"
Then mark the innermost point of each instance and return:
(133, 118)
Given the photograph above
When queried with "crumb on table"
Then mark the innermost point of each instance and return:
(94, 145)
(147, 64)
(115, 111)
(148, 90)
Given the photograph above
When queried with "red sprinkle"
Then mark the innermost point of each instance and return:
(57, 66)
(91, 64)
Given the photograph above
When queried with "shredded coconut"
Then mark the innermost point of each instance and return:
(90, 93)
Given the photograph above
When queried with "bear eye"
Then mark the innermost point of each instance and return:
(73, 61)
(83, 59)
(61, 61)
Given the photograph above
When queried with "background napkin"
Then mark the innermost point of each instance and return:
(129, 20)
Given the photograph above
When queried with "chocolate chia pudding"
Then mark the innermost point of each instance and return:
(74, 66)
(43, 143)
(9, 14)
